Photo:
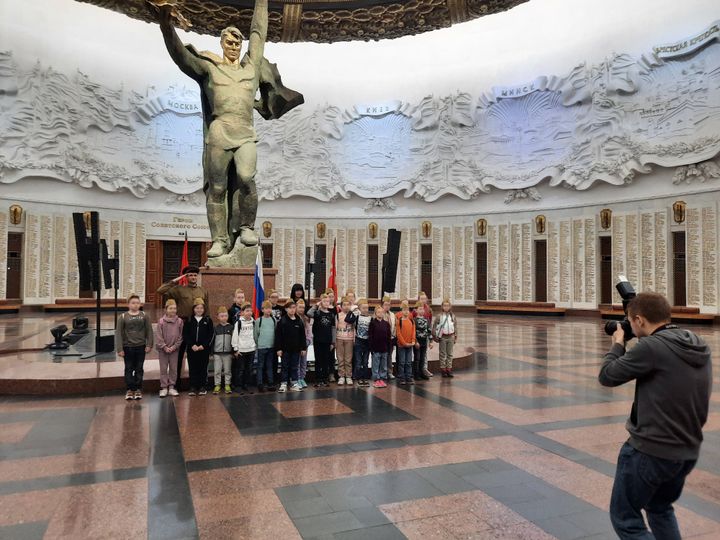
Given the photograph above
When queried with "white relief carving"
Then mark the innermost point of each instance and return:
(520, 194)
(700, 172)
(604, 122)
(380, 205)
(191, 199)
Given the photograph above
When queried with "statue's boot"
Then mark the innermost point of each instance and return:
(248, 236)
(217, 219)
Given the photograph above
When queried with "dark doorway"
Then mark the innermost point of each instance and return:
(267, 255)
(541, 270)
(14, 265)
(426, 269)
(172, 256)
(678, 267)
(481, 271)
(319, 281)
(373, 272)
(606, 277)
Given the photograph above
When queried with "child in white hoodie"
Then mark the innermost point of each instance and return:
(243, 343)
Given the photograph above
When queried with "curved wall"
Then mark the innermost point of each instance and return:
(83, 43)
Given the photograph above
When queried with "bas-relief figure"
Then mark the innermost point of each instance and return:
(228, 87)
(603, 122)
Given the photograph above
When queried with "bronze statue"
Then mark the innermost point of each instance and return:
(228, 85)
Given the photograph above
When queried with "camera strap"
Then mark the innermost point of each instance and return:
(664, 327)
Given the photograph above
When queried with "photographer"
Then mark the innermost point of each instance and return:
(672, 370)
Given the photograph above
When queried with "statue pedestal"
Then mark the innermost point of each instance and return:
(221, 283)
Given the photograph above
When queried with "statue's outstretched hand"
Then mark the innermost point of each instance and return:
(165, 10)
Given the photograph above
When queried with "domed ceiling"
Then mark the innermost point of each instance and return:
(324, 21)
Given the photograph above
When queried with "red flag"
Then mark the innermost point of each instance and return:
(184, 261)
(332, 280)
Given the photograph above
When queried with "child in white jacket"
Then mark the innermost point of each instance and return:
(243, 343)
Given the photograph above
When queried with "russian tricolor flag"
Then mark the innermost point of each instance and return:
(258, 288)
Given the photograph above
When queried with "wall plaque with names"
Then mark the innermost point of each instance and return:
(590, 283)
(694, 257)
(647, 251)
(515, 275)
(503, 262)
(661, 253)
(566, 261)
(459, 259)
(492, 258)
(618, 252)
(553, 258)
(3, 249)
(708, 220)
(447, 262)
(632, 248)
(578, 250)
(469, 264)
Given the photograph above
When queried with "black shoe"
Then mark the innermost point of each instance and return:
(261, 389)
(449, 374)
(423, 377)
(444, 373)
(271, 388)
(250, 391)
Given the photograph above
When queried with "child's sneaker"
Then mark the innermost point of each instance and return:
(283, 388)
(202, 392)
(228, 390)
(377, 384)
(129, 395)
(302, 383)
(216, 390)
(173, 392)
(341, 381)
(191, 392)
(295, 387)
(348, 380)
(383, 384)
(138, 394)
(163, 392)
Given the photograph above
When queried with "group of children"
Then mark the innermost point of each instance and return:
(351, 345)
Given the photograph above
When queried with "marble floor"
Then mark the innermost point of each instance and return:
(522, 445)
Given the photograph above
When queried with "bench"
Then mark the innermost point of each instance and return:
(518, 308)
(69, 305)
(11, 305)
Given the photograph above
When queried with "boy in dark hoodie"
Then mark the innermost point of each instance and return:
(673, 380)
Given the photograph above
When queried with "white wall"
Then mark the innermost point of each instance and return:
(536, 38)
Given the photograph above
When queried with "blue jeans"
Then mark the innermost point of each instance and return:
(290, 363)
(265, 364)
(361, 353)
(379, 365)
(405, 363)
(644, 482)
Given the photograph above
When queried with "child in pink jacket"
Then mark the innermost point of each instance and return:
(168, 337)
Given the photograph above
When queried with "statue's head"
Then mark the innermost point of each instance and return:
(231, 42)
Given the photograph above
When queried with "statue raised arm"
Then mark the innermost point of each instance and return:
(229, 86)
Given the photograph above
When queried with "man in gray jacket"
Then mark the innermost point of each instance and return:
(672, 370)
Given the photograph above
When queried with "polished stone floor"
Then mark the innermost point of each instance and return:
(522, 445)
